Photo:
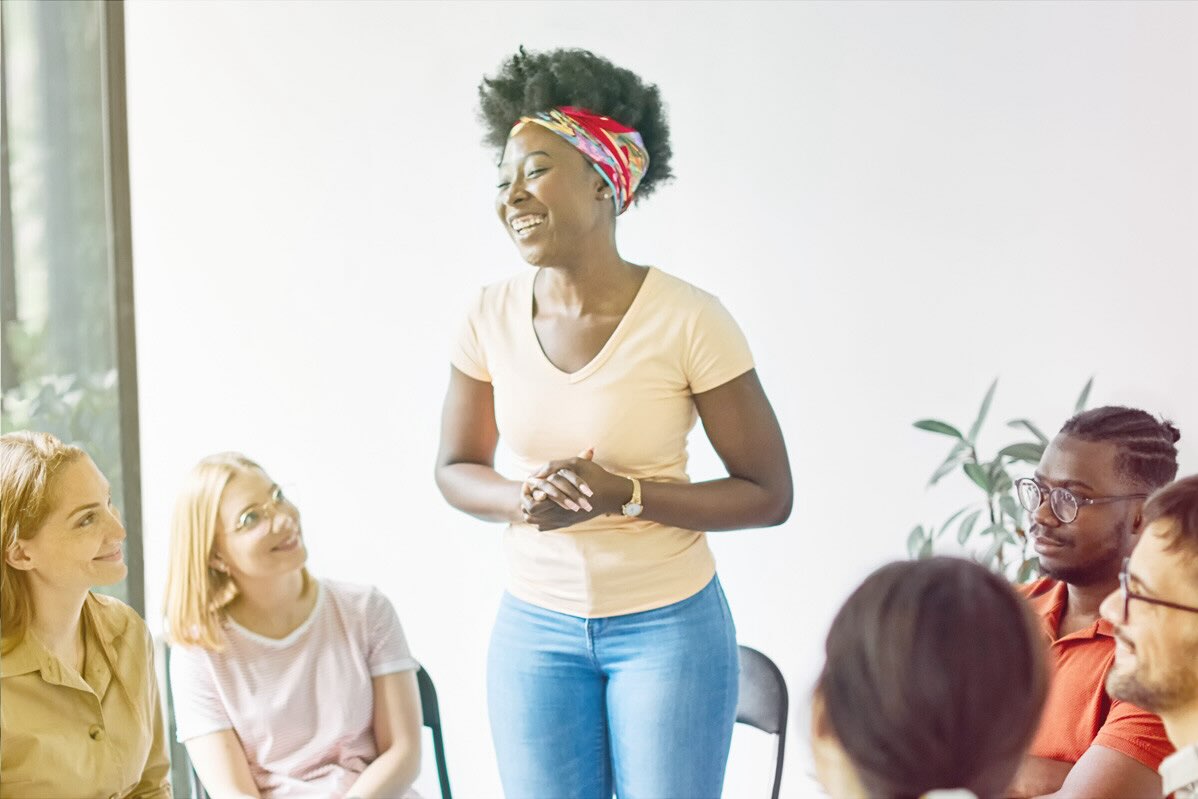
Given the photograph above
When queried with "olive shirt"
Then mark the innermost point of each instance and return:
(99, 735)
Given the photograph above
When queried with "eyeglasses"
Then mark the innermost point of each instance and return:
(1063, 503)
(255, 515)
(1128, 595)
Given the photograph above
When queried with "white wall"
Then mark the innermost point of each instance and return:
(898, 202)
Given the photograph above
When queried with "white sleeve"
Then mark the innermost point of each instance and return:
(198, 706)
(387, 645)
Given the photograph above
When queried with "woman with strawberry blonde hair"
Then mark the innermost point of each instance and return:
(284, 684)
(79, 707)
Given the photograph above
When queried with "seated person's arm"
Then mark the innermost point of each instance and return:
(1103, 773)
(1038, 776)
(220, 762)
(397, 720)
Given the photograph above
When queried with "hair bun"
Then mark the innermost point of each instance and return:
(1171, 431)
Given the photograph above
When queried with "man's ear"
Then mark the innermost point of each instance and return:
(18, 556)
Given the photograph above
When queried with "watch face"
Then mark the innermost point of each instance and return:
(632, 509)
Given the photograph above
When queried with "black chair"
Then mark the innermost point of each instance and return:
(764, 703)
(432, 719)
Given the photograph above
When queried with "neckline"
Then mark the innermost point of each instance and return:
(292, 636)
(608, 347)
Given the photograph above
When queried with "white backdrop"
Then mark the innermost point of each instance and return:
(898, 203)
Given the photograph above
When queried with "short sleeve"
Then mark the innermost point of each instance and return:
(718, 351)
(468, 355)
(198, 706)
(1136, 733)
(387, 644)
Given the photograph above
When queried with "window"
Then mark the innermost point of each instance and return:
(67, 357)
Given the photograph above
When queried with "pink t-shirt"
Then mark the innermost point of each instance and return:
(302, 706)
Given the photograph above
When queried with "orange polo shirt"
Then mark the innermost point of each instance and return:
(1078, 711)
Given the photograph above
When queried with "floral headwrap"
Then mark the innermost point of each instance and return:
(616, 151)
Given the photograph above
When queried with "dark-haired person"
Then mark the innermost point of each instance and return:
(1086, 505)
(933, 681)
(613, 662)
(1155, 617)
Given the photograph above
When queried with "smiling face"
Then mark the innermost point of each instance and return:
(1156, 649)
(551, 201)
(79, 544)
(258, 529)
(1090, 549)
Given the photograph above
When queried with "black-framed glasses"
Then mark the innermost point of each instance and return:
(1129, 595)
(1063, 503)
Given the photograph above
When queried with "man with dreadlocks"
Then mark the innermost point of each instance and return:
(1086, 506)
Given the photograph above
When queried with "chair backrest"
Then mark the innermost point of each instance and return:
(431, 709)
(764, 703)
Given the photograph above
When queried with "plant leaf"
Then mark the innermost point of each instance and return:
(955, 455)
(950, 520)
(966, 528)
(1010, 507)
(1084, 397)
(985, 409)
(925, 551)
(915, 541)
(936, 426)
(1031, 428)
(978, 475)
(992, 552)
(1026, 452)
(1027, 570)
(945, 468)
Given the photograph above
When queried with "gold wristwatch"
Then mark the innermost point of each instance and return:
(633, 507)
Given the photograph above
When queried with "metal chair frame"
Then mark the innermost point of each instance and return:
(764, 703)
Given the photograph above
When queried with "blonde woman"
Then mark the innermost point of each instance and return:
(79, 708)
(284, 685)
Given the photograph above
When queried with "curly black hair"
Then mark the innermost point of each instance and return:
(530, 82)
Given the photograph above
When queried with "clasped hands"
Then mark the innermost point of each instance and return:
(566, 492)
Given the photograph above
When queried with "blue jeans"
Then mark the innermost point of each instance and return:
(642, 704)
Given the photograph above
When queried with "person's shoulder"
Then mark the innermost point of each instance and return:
(1037, 589)
(665, 283)
(359, 596)
(114, 617)
(507, 290)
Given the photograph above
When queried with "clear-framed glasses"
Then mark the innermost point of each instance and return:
(255, 515)
(1129, 595)
(1063, 503)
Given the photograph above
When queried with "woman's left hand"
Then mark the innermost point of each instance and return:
(606, 492)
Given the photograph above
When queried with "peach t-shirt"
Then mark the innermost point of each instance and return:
(634, 403)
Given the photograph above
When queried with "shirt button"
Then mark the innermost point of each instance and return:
(96, 732)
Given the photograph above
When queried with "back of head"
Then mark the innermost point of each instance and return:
(1147, 447)
(28, 463)
(195, 592)
(934, 679)
(1177, 503)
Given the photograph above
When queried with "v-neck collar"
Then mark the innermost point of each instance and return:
(609, 346)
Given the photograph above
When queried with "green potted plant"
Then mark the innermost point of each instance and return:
(994, 526)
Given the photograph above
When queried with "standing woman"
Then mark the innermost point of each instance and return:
(79, 709)
(613, 662)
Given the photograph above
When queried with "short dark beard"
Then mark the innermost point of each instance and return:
(1091, 574)
(1178, 689)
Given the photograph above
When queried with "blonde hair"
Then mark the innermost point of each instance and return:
(28, 463)
(196, 593)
